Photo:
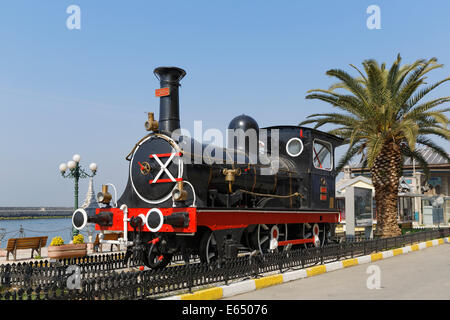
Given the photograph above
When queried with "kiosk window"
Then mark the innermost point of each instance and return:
(322, 155)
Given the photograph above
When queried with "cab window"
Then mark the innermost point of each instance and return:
(322, 155)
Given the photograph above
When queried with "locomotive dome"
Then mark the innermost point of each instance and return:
(243, 122)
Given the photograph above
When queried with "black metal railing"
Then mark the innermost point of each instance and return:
(108, 277)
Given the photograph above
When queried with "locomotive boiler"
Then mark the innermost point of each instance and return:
(269, 189)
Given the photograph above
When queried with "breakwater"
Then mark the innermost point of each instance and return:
(34, 212)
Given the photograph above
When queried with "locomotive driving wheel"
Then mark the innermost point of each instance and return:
(267, 236)
(209, 252)
(317, 231)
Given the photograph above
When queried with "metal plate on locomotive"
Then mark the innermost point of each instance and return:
(154, 169)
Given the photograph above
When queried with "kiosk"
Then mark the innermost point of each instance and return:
(358, 211)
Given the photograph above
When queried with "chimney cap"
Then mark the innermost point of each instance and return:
(176, 72)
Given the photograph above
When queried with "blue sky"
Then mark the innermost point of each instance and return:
(87, 91)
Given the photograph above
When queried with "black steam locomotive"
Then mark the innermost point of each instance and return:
(189, 198)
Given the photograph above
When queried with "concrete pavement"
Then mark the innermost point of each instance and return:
(423, 274)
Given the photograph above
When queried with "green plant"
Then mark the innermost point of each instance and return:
(38, 256)
(57, 241)
(382, 117)
(78, 239)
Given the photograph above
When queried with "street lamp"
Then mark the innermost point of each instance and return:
(76, 172)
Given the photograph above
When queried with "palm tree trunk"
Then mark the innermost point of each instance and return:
(385, 178)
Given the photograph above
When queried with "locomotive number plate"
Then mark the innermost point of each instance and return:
(162, 92)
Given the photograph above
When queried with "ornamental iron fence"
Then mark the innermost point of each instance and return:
(108, 277)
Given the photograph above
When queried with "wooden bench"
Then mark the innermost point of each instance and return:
(107, 236)
(33, 243)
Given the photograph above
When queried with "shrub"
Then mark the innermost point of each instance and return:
(57, 241)
(78, 239)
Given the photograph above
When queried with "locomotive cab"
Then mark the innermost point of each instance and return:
(312, 151)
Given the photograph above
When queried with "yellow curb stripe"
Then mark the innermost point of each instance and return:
(376, 256)
(217, 292)
(207, 294)
(268, 281)
(316, 270)
(349, 262)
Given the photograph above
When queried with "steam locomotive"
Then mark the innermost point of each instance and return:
(188, 198)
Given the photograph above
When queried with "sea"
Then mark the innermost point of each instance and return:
(54, 227)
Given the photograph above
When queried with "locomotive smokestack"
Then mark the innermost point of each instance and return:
(169, 106)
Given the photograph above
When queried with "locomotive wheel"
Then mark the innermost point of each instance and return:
(316, 230)
(209, 252)
(267, 233)
(156, 260)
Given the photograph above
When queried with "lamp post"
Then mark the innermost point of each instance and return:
(76, 173)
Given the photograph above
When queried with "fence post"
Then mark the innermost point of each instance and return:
(227, 267)
(190, 278)
(280, 261)
(338, 251)
(321, 255)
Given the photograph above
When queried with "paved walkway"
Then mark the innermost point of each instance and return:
(423, 274)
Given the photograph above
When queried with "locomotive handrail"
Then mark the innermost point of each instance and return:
(194, 204)
(175, 146)
(295, 194)
(136, 145)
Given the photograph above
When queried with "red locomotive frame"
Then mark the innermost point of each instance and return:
(222, 219)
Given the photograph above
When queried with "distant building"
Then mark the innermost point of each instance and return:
(415, 192)
(89, 205)
(346, 182)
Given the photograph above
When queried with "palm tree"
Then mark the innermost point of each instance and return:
(382, 118)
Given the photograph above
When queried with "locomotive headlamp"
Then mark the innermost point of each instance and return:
(179, 194)
(151, 124)
(104, 196)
